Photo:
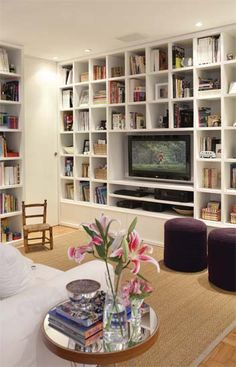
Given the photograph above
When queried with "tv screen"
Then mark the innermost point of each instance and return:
(160, 156)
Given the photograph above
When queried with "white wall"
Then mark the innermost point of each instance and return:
(40, 103)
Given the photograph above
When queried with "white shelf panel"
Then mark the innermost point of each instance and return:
(66, 86)
(212, 66)
(9, 76)
(214, 128)
(10, 158)
(66, 109)
(150, 199)
(99, 105)
(98, 180)
(67, 132)
(87, 179)
(117, 78)
(116, 104)
(160, 100)
(11, 214)
(183, 99)
(2, 130)
(181, 70)
(82, 155)
(142, 103)
(98, 81)
(137, 76)
(82, 107)
(208, 97)
(230, 160)
(210, 191)
(208, 159)
(10, 187)
(9, 102)
(230, 192)
(99, 155)
(160, 72)
(157, 185)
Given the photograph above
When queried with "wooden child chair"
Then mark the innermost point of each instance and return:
(42, 227)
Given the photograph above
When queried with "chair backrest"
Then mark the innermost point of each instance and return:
(27, 213)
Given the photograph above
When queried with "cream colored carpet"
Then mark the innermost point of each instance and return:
(192, 312)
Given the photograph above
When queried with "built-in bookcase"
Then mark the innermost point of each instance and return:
(11, 143)
(180, 86)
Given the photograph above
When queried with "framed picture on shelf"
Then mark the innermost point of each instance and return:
(86, 147)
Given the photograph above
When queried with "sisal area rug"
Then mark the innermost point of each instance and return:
(192, 312)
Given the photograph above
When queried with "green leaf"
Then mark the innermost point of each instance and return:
(101, 251)
(142, 277)
(132, 226)
(114, 259)
(119, 268)
(89, 231)
(125, 247)
(98, 224)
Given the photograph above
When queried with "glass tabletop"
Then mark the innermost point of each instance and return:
(69, 348)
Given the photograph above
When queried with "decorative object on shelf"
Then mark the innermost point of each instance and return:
(81, 291)
(183, 210)
(213, 121)
(100, 173)
(207, 154)
(230, 56)
(218, 150)
(212, 211)
(134, 292)
(86, 147)
(161, 90)
(122, 250)
(100, 147)
(69, 167)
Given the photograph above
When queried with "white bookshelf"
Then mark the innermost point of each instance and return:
(151, 108)
(10, 215)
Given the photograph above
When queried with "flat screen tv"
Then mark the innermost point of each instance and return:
(165, 157)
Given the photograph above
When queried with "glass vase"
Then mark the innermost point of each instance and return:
(115, 326)
(135, 320)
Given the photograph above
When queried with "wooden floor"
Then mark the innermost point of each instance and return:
(224, 355)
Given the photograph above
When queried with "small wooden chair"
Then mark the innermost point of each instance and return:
(37, 227)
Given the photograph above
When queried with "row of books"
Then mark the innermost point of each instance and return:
(182, 88)
(8, 121)
(6, 234)
(139, 94)
(183, 116)
(208, 49)
(233, 175)
(206, 119)
(137, 64)
(67, 74)
(9, 175)
(84, 194)
(159, 60)
(178, 54)
(9, 91)
(67, 98)
(69, 190)
(101, 194)
(4, 62)
(117, 92)
(99, 72)
(137, 120)
(99, 97)
(8, 203)
(206, 84)
(208, 143)
(118, 121)
(4, 151)
(210, 178)
(83, 123)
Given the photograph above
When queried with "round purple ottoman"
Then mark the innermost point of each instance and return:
(222, 258)
(185, 244)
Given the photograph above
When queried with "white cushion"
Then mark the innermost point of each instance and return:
(15, 271)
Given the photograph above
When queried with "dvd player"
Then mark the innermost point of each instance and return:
(135, 193)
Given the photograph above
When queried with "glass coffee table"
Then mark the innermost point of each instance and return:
(67, 348)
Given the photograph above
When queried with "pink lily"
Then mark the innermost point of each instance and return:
(137, 253)
(78, 253)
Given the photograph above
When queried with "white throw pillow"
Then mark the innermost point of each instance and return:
(15, 271)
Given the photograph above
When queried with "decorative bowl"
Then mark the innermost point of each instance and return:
(183, 210)
(82, 290)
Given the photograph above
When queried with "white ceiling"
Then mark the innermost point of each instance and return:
(64, 28)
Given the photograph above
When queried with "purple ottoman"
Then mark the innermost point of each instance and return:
(185, 244)
(222, 258)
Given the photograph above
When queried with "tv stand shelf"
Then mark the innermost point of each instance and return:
(168, 98)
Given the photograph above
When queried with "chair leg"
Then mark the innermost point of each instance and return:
(51, 238)
(26, 242)
(43, 237)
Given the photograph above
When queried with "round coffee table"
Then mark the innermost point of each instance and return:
(67, 348)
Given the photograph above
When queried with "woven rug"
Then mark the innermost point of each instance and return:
(192, 312)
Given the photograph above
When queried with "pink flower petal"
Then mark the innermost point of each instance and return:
(97, 240)
(134, 241)
(118, 253)
(71, 253)
(146, 258)
(144, 247)
(136, 267)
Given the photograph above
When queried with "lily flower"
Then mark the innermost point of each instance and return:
(78, 253)
(137, 253)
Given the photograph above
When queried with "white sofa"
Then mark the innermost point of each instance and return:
(21, 315)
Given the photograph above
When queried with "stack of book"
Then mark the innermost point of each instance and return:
(118, 121)
(67, 74)
(10, 91)
(181, 87)
(8, 203)
(67, 98)
(84, 191)
(99, 97)
(117, 92)
(137, 64)
(83, 124)
(178, 54)
(82, 326)
(159, 60)
(203, 114)
(208, 50)
(9, 175)
(101, 194)
(8, 121)
(207, 84)
(4, 63)
(99, 72)
(183, 116)
(210, 178)
(137, 120)
(117, 71)
(69, 190)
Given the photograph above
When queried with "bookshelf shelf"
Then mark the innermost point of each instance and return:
(150, 76)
